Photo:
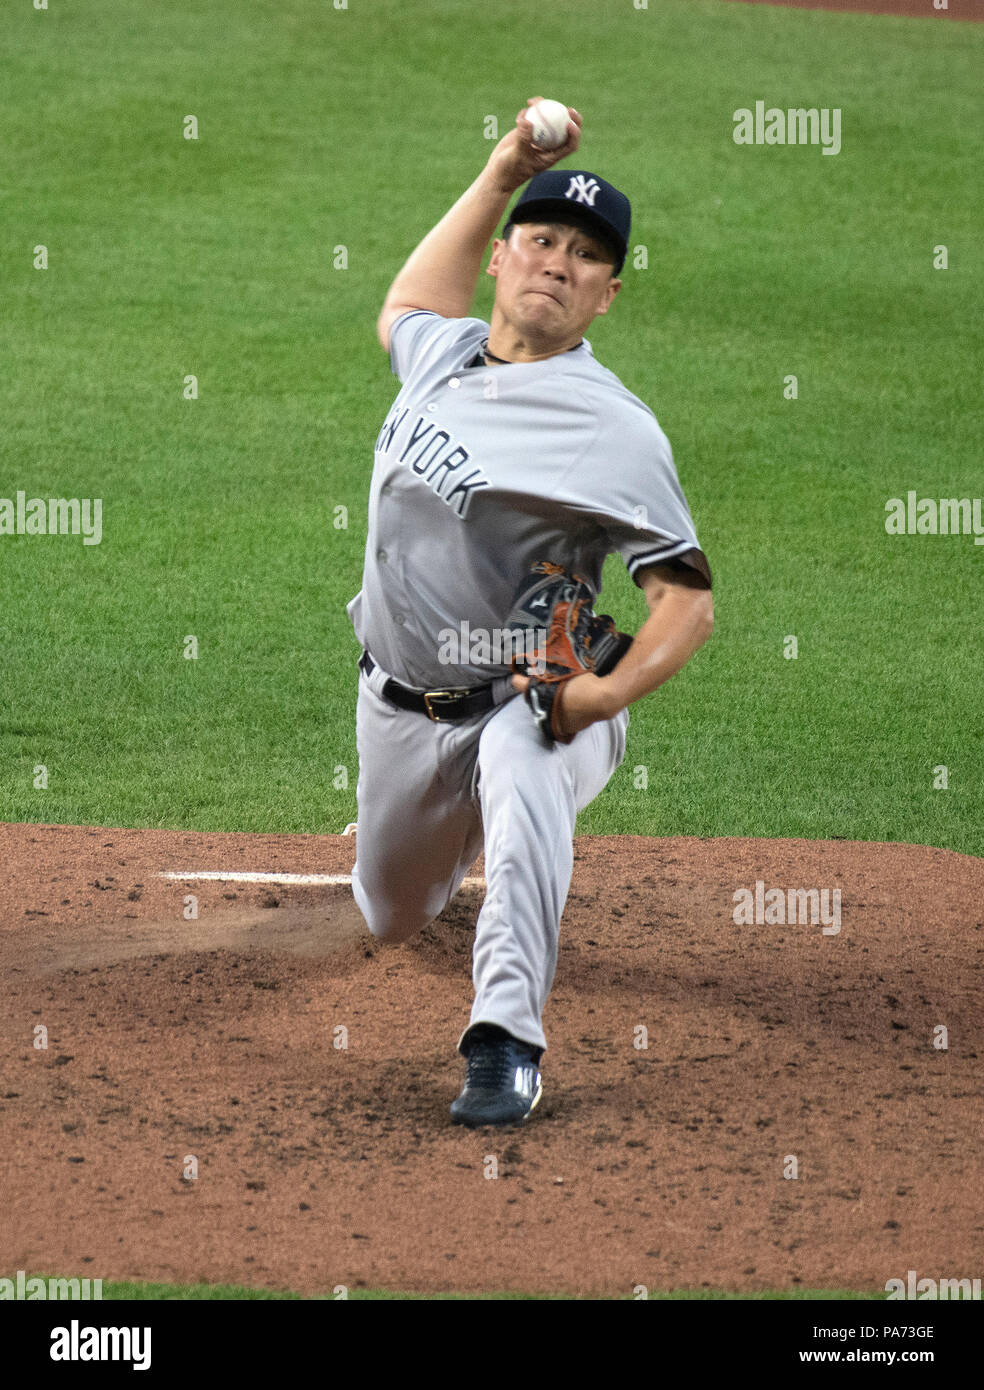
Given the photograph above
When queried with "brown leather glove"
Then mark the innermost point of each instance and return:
(572, 640)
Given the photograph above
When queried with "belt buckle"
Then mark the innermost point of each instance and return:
(439, 695)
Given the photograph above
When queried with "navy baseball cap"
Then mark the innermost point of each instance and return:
(575, 197)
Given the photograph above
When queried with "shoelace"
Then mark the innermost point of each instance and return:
(492, 1065)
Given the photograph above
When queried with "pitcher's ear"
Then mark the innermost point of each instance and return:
(611, 290)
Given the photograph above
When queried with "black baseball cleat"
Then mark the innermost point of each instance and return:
(502, 1079)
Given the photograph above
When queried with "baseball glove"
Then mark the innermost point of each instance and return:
(562, 639)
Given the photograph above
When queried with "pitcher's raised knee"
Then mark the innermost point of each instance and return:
(389, 918)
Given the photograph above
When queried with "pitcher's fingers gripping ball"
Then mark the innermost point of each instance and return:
(547, 132)
(572, 641)
(549, 120)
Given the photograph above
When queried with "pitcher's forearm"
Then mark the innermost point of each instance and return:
(670, 636)
(443, 271)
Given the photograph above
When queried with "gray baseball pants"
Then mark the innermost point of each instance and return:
(432, 795)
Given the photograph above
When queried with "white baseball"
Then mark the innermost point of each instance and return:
(549, 121)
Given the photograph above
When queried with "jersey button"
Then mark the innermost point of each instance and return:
(381, 555)
(454, 383)
(399, 619)
(431, 405)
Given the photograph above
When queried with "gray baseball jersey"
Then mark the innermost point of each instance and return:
(480, 471)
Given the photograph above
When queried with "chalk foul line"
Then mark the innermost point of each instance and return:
(242, 876)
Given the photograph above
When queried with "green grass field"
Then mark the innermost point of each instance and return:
(215, 257)
(128, 1292)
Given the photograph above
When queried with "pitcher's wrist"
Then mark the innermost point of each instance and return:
(496, 183)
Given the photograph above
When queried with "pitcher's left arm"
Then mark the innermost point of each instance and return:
(681, 618)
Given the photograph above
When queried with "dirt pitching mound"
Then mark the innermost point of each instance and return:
(304, 1072)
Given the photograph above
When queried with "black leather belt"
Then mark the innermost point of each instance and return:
(443, 706)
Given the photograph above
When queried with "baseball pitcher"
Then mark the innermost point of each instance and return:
(493, 700)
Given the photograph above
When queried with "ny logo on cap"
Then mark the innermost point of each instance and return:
(583, 191)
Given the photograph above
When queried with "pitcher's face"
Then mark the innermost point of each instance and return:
(552, 280)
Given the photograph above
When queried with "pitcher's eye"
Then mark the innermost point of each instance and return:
(582, 250)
